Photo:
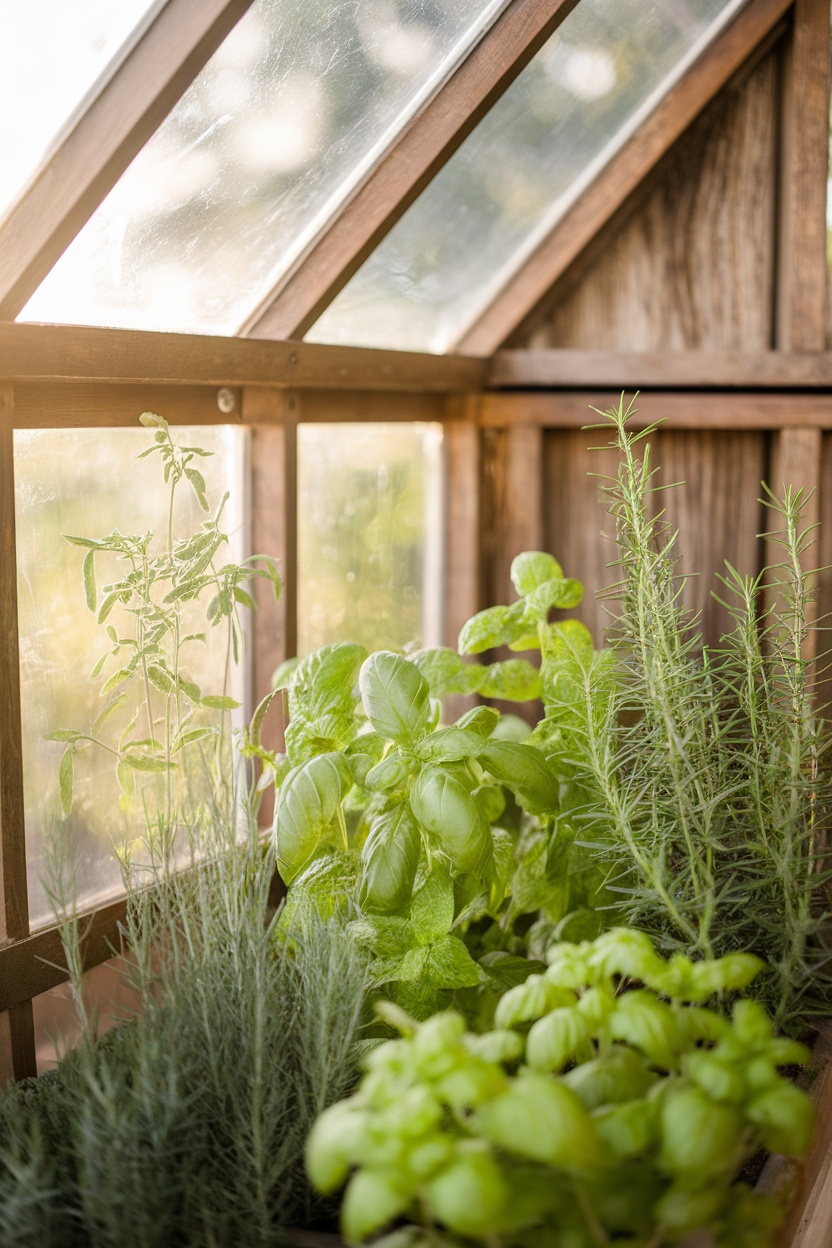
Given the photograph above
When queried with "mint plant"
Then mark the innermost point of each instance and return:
(590, 1115)
(169, 725)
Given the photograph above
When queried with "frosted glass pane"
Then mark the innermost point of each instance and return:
(583, 93)
(369, 534)
(109, 1000)
(88, 482)
(284, 120)
(54, 52)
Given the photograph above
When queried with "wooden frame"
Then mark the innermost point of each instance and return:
(616, 181)
(416, 155)
(101, 142)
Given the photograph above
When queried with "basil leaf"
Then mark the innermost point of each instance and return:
(307, 804)
(450, 965)
(390, 857)
(514, 680)
(496, 626)
(396, 697)
(324, 681)
(534, 568)
(482, 719)
(449, 745)
(523, 770)
(448, 812)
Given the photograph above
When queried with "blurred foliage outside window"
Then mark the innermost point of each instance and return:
(87, 482)
(369, 534)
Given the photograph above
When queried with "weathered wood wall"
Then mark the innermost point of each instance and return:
(689, 261)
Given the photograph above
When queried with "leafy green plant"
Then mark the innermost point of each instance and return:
(490, 1138)
(186, 1125)
(700, 774)
(434, 840)
(166, 720)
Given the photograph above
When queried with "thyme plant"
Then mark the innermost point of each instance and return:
(704, 770)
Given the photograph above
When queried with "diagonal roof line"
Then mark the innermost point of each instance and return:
(417, 154)
(98, 146)
(589, 213)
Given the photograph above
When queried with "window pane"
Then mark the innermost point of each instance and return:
(294, 107)
(555, 127)
(87, 482)
(55, 51)
(369, 535)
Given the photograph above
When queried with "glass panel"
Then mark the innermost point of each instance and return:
(286, 118)
(55, 53)
(540, 145)
(109, 1000)
(87, 482)
(369, 535)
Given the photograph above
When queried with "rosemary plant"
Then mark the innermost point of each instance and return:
(705, 778)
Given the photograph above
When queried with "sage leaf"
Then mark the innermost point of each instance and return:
(89, 579)
(450, 965)
(432, 908)
(218, 703)
(65, 777)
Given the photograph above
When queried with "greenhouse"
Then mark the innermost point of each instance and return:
(416, 497)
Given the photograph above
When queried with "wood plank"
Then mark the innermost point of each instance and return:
(573, 410)
(461, 573)
(513, 515)
(36, 963)
(103, 139)
(688, 262)
(577, 528)
(620, 177)
(809, 1224)
(551, 368)
(796, 462)
(416, 154)
(823, 560)
(80, 405)
(715, 510)
(802, 276)
(357, 407)
(81, 353)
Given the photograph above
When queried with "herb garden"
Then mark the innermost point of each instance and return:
(415, 547)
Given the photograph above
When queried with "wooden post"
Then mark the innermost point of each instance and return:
(14, 893)
(273, 415)
(461, 571)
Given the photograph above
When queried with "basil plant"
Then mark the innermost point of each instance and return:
(426, 835)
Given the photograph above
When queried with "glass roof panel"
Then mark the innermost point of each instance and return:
(556, 126)
(56, 52)
(288, 115)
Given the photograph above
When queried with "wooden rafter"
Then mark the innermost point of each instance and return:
(68, 352)
(620, 177)
(103, 140)
(418, 152)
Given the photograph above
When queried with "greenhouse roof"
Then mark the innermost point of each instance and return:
(405, 174)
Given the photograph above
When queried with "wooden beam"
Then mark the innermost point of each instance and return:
(696, 370)
(417, 153)
(804, 145)
(82, 405)
(620, 177)
(78, 353)
(36, 963)
(104, 138)
(573, 410)
(14, 892)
